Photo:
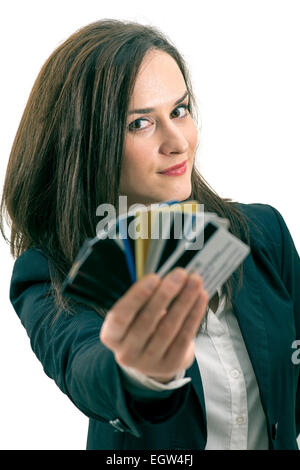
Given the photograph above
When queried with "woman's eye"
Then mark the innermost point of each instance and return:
(136, 125)
(184, 107)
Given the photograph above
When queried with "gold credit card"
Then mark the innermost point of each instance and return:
(144, 220)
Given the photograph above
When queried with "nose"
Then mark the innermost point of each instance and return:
(173, 140)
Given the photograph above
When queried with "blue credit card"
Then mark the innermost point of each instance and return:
(122, 227)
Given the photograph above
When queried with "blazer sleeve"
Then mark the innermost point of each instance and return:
(290, 274)
(73, 355)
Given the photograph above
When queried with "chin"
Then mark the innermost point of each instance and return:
(179, 193)
(180, 196)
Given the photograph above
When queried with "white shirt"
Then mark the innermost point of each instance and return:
(235, 417)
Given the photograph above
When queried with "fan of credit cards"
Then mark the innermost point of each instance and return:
(155, 239)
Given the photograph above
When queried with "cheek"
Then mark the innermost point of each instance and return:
(192, 135)
(137, 155)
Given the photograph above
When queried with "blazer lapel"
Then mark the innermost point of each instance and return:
(194, 373)
(249, 309)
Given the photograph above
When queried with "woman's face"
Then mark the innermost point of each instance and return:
(160, 134)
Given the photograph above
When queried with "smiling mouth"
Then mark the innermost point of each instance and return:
(175, 170)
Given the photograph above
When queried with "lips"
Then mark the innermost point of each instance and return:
(172, 168)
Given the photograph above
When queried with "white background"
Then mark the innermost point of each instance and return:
(244, 61)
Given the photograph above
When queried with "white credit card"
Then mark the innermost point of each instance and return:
(218, 259)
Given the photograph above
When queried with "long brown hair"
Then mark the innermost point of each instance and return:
(67, 154)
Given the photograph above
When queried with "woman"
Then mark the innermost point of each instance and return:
(111, 112)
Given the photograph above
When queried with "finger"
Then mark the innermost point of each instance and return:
(120, 316)
(170, 287)
(187, 332)
(144, 324)
(171, 323)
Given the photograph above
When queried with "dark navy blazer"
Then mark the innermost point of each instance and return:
(267, 308)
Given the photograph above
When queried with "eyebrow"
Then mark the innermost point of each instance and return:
(149, 110)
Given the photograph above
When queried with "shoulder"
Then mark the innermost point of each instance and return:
(30, 264)
(265, 239)
(31, 286)
(265, 223)
(270, 237)
(262, 217)
(31, 269)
